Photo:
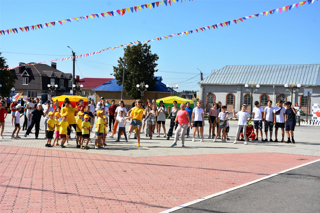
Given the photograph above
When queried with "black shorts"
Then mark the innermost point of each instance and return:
(290, 126)
(212, 119)
(257, 124)
(227, 130)
(161, 122)
(268, 125)
(279, 125)
(69, 130)
(79, 133)
(197, 124)
(17, 125)
(50, 134)
(86, 136)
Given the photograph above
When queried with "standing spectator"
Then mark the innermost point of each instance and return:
(37, 102)
(173, 123)
(56, 105)
(151, 118)
(13, 110)
(3, 101)
(257, 117)
(92, 110)
(28, 109)
(268, 123)
(47, 108)
(189, 110)
(243, 115)
(36, 117)
(120, 108)
(213, 114)
(107, 104)
(112, 110)
(17, 122)
(197, 115)
(297, 108)
(101, 106)
(162, 110)
(25, 121)
(184, 122)
(290, 120)
(223, 117)
(3, 115)
(278, 119)
(80, 107)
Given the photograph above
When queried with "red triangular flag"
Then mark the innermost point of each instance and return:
(135, 8)
(52, 23)
(109, 13)
(119, 12)
(60, 22)
(157, 3)
(38, 26)
(102, 15)
(169, 2)
(123, 11)
(287, 8)
(241, 19)
(226, 23)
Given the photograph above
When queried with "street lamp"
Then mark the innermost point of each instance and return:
(142, 87)
(292, 85)
(172, 87)
(74, 67)
(77, 87)
(52, 87)
(250, 89)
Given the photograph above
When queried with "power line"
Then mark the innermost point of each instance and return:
(32, 54)
(79, 69)
(188, 79)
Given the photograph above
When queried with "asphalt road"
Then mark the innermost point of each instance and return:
(294, 191)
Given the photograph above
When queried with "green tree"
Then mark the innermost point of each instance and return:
(140, 66)
(7, 78)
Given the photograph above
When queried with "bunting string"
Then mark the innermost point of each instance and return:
(120, 12)
(201, 29)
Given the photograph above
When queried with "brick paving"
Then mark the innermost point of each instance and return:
(48, 180)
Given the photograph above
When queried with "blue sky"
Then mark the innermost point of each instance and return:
(286, 38)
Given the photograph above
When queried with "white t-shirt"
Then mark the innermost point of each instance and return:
(243, 116)
(269, 113)
(257, 113)
(118, 109)
(148, 111)
(222, 116)
(17, 117)
(162, 115)
(30, 105)
(91, 108)
(45, 109)
(121, 121)
(280, 117)
(197, 114)
(298, 110)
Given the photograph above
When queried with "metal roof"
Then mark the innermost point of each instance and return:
(304, 74)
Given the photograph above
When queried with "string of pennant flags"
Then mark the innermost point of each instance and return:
(120, 12)
(202, 29)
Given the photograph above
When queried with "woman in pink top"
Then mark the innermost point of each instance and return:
(184, 122)
(213, 114)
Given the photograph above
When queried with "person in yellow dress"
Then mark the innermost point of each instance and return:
(99, 129)
(136, 115)
(79, 128)
(64, 126)
(50, 129)
(86, 128)
(71, 112)
(105, 119)
(56, 129)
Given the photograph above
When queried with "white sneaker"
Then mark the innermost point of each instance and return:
(1, 137)
(245, 143)
(158, 135)
(165, 135)
(235, 142)
(141, 131)
(214, 140)
(201, 140)
(192, 139)
(128, 135)
(111, 136)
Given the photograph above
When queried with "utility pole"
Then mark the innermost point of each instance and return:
(201, 74)
(74, 69)
(124, 70)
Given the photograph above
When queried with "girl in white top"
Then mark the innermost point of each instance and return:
(197, 116)
(223, 116)
(243, 116)
(162, 110)
(17, 122)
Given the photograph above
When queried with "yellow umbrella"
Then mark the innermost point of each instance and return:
(169, 100)
(74, 99)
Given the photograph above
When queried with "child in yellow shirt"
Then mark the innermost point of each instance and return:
(105, 119)
(86, 128)
(50, 129)
(99, 129)
(56, 128)
(64, 125)
(79, 129)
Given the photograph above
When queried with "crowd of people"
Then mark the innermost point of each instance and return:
(92, 121)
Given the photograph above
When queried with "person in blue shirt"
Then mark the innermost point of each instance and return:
(290, 121)
(189, 110)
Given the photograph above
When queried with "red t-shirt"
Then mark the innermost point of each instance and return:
(182, 117)
(249, 129)
(2, 112)
(13, 107)
(112, 109)
(80, 108)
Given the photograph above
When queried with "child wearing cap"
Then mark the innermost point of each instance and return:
(17, 122)
(290, 120)
(50, 129)
(64, 125)
(249, 132)
(79, 129)
(99, 129)
(86, 127)
(3, 115)
(56, 128)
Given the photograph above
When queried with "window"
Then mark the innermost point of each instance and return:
(304, 101)
(247, 99)
(210, 99)
(52, 81)
(281, 97)
(264, 100)
(70, 83)
(230, 99)
(61, 83)
(25, 81)
(32, 93)
(183, 96)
